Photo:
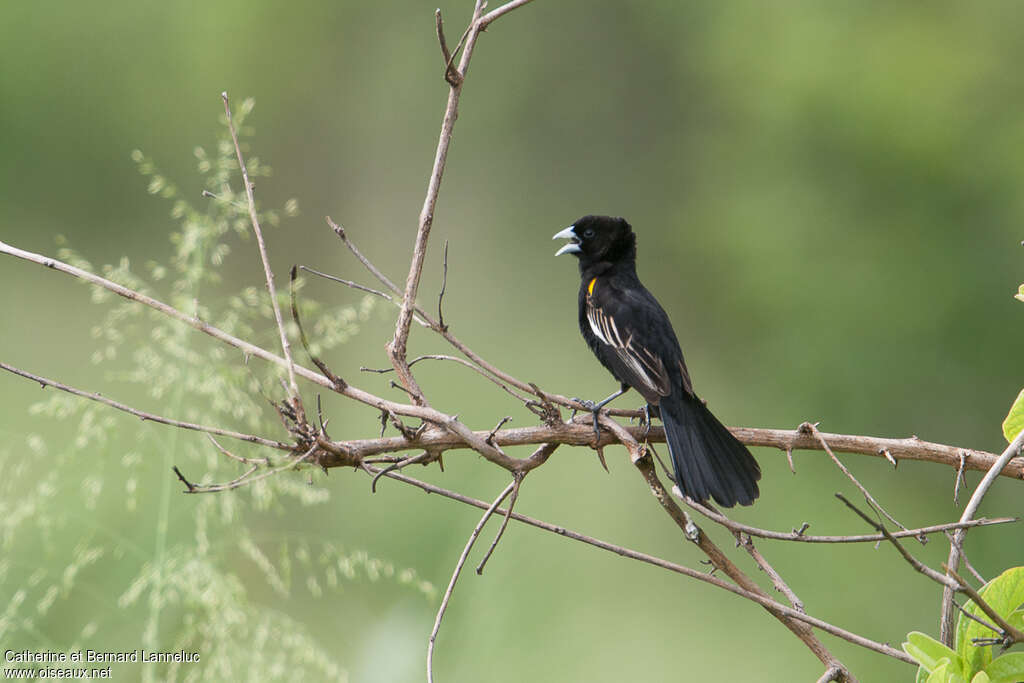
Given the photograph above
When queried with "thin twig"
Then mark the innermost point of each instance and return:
(813, 429)
(397, 347)
(495, 14)
(449, 74)
(145, 417)
(1008, 633)
(946, 627)
(340, 232)
(347, 283)
(245, 479)
(913, 561)
(780, 584)
(396, 466)
(967, 562)
(267, 272)
(910, 449)
(189, 485)
(444, 284)
(621, 551)
(460, 361)
(239, 458)
(692, 532)
(363, 288)
(517, 480)
(747, 542)
(972, 617)
(960, 479)
(446, 422)
(335, 380)
(455, 576)
(798, 535)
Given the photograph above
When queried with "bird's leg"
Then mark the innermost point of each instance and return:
(646, 421)
(595, 408)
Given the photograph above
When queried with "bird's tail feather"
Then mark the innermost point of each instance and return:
(709, 461)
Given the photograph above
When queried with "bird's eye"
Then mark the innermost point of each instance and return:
(588, 233)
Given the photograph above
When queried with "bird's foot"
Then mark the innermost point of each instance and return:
(645, 420)
(595, 409)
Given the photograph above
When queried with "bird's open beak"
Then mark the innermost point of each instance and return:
(573, 247)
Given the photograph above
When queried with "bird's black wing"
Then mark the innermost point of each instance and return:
(623, 319)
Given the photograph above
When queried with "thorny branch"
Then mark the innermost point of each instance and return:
(621, 551)
(397, 347)
(645, 465)
(813, 429)
(351, 453)
(267, 271)
(955, 583)
(441, 432)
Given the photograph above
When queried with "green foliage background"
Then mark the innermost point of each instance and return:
(828, 204)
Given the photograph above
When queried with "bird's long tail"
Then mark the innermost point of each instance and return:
(708, 460)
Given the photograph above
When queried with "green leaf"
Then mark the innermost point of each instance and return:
(1005, 594)
(929, 652)
(945, 673)
(1014, 421)
(1016, 619)
(981, 677)
(1006, 669)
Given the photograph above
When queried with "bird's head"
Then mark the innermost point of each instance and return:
(598, 238)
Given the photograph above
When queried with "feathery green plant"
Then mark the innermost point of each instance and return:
(177, 570)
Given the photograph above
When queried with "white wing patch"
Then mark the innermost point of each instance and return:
(648, 368)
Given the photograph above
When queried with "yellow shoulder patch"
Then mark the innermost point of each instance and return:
(590, 287)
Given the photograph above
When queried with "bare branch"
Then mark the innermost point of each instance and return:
(444, 285)
(245, 479)
(146, 417)
(960, 479)
(799, 536)
(582, 434)
(645, 466)
(446, 422)
(267, 272)
(813, 429)
(335, 380)
(517, 480)
(662, 564)
(913, 561)
(455, 576)
(340, 232)
(450, 74)
(946, 626)
(994, 629)
(397, 347)
(349, 283)
(397, 466)
(780, 584)
(460, 361)
(495, 14)
(1008, 634)
(239, 458)
(902, 449)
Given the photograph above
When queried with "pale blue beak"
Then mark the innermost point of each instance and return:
(568, 234)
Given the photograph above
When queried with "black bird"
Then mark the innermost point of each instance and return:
(630, 333)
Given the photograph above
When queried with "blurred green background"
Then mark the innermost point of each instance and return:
(827, 201)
